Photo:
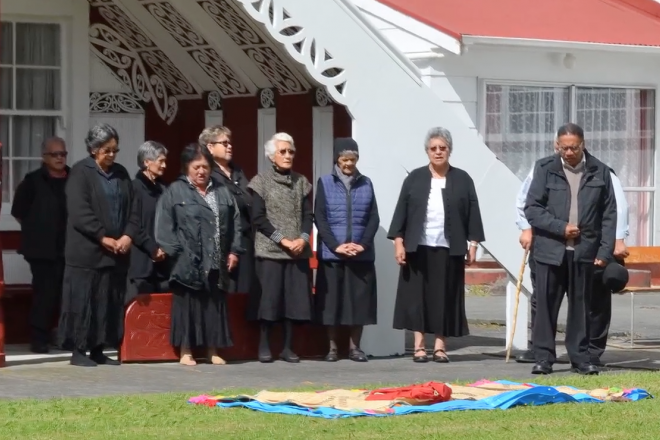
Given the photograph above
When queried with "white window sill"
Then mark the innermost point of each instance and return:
(7, 222)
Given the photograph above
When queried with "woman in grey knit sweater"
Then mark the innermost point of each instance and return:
(282, 217)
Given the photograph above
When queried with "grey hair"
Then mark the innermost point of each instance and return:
(270, 148)
(150, 150)
(98, 135)
(209, 134)
(348, 153)
(50, 140)
(438, 133)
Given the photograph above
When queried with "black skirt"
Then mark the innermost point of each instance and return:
(283, 291)
(346, 293)
(92, 312)
(431, 294)
(199, 317)
(242, 277)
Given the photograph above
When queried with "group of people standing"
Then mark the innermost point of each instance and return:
(97, 237)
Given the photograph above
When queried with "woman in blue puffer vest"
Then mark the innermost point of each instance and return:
(346, 217)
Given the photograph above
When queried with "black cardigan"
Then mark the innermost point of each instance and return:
(238, 186)
(462, 215)
(89, 216)
(144, 246)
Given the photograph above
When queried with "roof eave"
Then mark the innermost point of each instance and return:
(473, 40)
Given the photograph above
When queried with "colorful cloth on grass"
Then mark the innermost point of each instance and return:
(482, 395)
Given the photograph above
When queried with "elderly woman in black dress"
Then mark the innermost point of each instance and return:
(148, 271)
(437, 214)
(199, 228)
(347, 220)
(102, 223)
(283, 218)
(217, 140)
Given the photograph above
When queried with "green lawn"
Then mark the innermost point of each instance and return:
(168, 416)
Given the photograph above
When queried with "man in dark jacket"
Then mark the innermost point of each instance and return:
(40, 207)
(572, 209)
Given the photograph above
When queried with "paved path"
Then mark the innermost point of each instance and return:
(475, 357)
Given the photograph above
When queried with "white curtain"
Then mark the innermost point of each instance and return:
(30, 80)
(521, 123)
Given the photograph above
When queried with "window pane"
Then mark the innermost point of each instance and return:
(38, 44)
(29, 133)
(6, 87)
(521, 123)
(4, 135)
(20, 169)
(6, 41)
(640, 218)
(5, 181)
(619, 127)
(37, 89)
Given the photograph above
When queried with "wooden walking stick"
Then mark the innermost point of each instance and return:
(515, 307)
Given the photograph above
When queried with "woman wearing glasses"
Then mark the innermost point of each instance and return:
(103, 221)
(282, 216)
(437, 214)
(217, 141)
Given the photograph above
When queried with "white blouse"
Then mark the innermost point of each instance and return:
(434, 225)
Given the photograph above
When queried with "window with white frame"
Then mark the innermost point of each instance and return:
(520, 123)
(30, 96)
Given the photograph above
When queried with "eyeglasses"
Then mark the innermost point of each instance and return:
(438, 148)
(109, 151)
(284, 151)
(223, 143)
(566, 148)
(55, 154)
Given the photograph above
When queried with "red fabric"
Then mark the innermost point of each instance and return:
(429, 392)
(630, 22)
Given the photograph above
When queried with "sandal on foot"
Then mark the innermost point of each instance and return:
(440, 356)
(217, 360)
(357, 355)
(332, 356)
(420, 359)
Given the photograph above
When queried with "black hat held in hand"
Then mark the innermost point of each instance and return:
(615, 277)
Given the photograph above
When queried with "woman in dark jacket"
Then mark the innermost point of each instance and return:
(148, 272)
(347, 220)
(102, 223)
(283, 218)
(217, 140)
(199, 228)
(435, 217)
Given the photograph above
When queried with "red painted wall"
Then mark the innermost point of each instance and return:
(294, 116)
(342, 121)
(240, 116)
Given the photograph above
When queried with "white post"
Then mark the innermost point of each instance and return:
(522, 321)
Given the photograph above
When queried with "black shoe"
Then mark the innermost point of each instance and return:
(597, 362)
(289, 356)
(542, 367)
(79, 359)
(357, 355)
(585, 369)
(39, 348)
(332, 356)
(97, 356)
(526, 357)
(440, 356)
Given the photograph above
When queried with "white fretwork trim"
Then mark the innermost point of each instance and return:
(114, 102)
(301, 45)
(126, 65)
(321, 97)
